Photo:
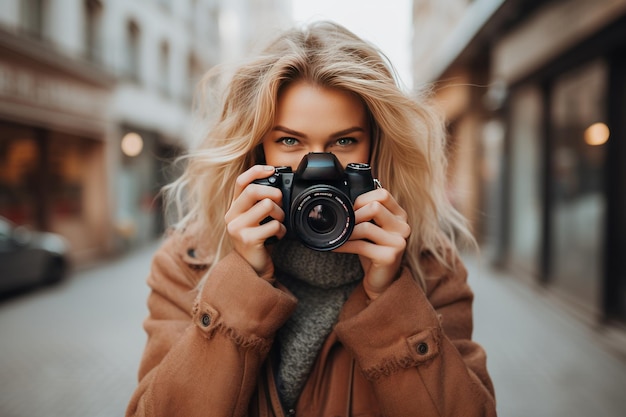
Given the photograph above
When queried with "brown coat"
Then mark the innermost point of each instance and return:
(406, 354)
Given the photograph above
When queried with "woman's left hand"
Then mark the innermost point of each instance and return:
(380, 244)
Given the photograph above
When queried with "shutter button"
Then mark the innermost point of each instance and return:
(206, 320)
(422, 348)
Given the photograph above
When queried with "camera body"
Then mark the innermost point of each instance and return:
(318, 198)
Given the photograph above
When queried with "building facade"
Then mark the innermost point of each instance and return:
(55, 126)
(534, 94)
(95, 103)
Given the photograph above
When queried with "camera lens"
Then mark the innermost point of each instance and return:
(322, 217)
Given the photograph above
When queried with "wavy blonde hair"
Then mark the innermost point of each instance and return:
(408, 155)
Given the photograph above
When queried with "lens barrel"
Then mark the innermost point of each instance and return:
(322, 216)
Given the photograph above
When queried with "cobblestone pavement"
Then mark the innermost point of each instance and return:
(73, 350)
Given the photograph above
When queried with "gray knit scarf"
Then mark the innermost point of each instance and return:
(322, 282)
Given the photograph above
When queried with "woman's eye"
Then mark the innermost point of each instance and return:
(288, 141)
(345, 141)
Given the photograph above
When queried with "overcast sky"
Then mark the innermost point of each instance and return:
(386, 23)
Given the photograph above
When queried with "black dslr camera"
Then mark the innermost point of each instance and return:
(318, 198)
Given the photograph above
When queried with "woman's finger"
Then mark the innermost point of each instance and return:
(256, 172)
(250, 196)
(375, 234)
(377, 254)
(256, 214)
(385, 198)
(379, 214)
(257, 235)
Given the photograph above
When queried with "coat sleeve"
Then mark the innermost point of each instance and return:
(415, 347)
(205, 348)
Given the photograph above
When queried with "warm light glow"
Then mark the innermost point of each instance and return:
(597, 134)
(132, 144)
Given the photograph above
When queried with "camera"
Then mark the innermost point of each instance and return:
(318, 198)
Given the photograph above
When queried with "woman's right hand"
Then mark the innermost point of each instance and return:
(252, 203)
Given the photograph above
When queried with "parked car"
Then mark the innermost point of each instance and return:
(30, 258)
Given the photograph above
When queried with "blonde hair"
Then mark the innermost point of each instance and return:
(408, 154)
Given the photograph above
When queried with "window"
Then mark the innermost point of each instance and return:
(164, 68)
(32, 17)
(194, 74)
(93, 30)
(132, 51)
(166, 4)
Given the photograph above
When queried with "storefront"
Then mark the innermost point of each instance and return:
(54, 130)
(563, 174)
(145, 166)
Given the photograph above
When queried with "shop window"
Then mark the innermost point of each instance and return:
(67, 166)
(579, 135)
(20, 176)
(42, 172)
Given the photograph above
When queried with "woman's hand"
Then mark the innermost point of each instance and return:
(380, 244)
(252, 203)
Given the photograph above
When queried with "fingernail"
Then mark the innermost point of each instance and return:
(268, 168)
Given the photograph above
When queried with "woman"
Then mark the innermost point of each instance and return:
(381, 325)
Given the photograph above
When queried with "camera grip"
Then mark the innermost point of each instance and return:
(360, 179)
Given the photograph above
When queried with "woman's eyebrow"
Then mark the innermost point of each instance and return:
(348, 131)
(289, 131)
(300, 134)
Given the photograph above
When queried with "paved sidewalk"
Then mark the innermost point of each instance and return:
(73, 350)
(543, 360)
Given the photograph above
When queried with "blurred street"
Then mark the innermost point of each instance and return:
(543, 360)
(73, 350)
